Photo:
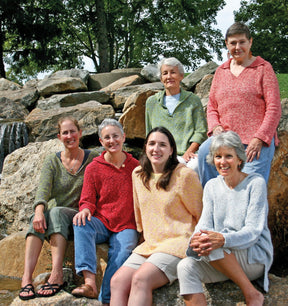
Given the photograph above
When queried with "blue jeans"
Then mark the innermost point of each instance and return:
(121, 245)
(261, 165)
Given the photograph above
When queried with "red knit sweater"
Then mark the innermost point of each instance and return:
(248, 104)
(107, 193)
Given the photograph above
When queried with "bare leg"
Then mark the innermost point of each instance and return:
(231, 268)
(121, 285)
(147, 278)
(32, 251)
(58, 246)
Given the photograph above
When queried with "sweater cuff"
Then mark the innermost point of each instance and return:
(40, 203)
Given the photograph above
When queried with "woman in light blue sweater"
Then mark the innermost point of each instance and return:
(232, 239)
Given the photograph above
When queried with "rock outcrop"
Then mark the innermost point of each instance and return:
(91, 98)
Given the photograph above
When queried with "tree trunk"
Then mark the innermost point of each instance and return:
(2, 67)
(102, 37)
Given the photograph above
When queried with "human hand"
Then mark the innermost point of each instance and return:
(218, 130)
(254, 149)
(190, 152)
(39, 221)
(80, 218)
(206, 241)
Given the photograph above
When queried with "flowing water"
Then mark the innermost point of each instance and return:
(9, 289)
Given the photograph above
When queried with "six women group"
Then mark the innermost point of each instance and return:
(158, 221)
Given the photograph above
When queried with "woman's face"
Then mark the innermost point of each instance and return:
(69, 134)
(158, 151)
(226, 162)
(171, 77)
(112, 139)
(239, 46)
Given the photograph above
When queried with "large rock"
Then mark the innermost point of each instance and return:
(278, 197)
(26, 96)
(133, 117)
(102, 80)
(54, 85)
(42, 123)
(151, 73)
(124, 82)
(122, 94)
(72, 99)
(283, 124)
(195, 77)
(12, 110)
(8, 85)
(13, 265)
(19, 182)
(203, 88)
(73, 73)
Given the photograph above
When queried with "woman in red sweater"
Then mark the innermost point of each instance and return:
(106, 212)
(244, 98)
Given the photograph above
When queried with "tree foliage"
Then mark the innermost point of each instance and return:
(267, 20)
(56, 34)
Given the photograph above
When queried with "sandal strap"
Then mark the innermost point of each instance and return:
(27, 288)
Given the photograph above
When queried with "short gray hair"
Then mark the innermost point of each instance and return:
(228, 139)
(109, 122)
(171, 61)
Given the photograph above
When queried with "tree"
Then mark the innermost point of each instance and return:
(112, 33)
(267, 20)
(27, 30)
(141, 31)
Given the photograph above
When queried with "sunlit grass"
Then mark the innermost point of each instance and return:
(283, 85)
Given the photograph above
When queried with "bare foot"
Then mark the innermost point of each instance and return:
(55, 278)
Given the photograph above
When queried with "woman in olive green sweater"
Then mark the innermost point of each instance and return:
(55, 205)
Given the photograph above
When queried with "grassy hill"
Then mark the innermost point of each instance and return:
(283, 84)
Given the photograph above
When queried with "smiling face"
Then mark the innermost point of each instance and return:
(239, 46)
(112, 139)
(69, 134)
(226, 162)
(171, 78)
(158, 151)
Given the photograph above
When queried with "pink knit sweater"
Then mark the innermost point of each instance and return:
(248, 104)
(107, 193)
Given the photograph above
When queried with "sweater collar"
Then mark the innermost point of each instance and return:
(258, 62)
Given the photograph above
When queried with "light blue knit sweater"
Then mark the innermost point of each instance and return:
(240, 215)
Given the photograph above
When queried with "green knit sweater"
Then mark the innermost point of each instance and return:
(57, 186)
(187, 123)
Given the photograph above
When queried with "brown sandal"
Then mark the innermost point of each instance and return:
(84, 291)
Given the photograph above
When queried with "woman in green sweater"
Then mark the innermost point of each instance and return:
(55, 205)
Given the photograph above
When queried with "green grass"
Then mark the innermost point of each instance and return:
(283, 85)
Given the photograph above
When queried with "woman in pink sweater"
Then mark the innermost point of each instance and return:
(167, 203)
(245, 98)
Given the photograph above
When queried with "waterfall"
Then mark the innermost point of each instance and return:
(13, 135)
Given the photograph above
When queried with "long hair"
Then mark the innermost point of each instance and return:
(146, 168)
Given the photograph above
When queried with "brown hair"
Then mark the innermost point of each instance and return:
(70, 118)
(238, 28)
(146, 167)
